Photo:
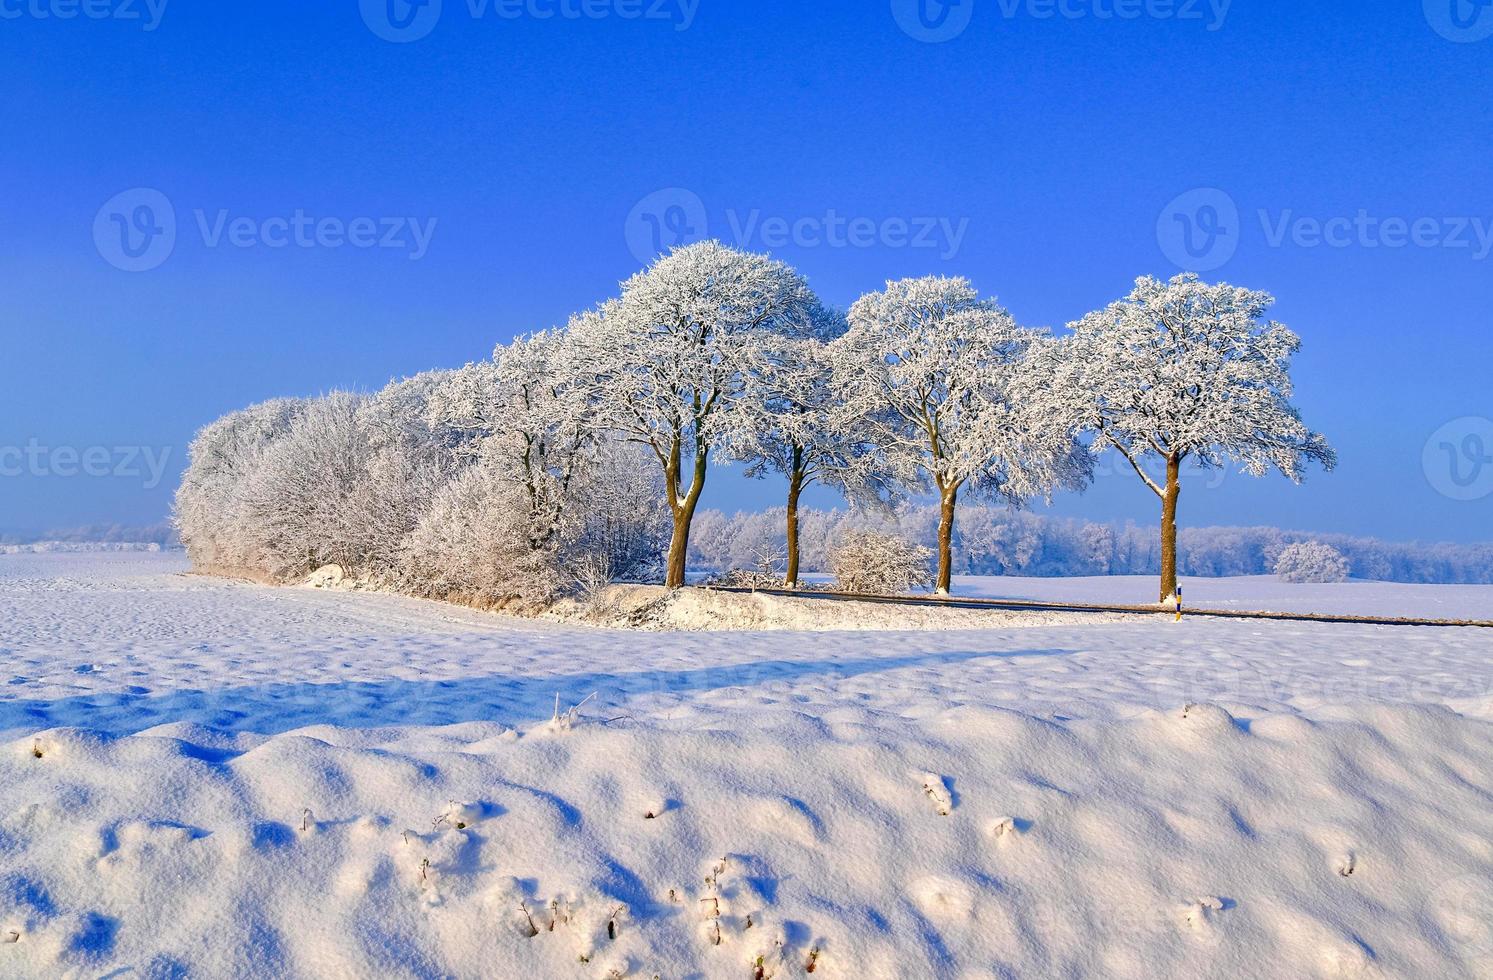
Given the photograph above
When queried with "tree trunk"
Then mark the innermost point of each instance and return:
(950, 497)
(795, 488)
(684, 515)
(678, 549)
(1169, 527)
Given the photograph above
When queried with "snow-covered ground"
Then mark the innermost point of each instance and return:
(210, 778)
(1255, 593)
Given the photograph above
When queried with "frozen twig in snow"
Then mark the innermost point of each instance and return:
(712, 880)
(1004, 829)
(565, 722)
(612, 921)
(933, 786)
(1198, 914)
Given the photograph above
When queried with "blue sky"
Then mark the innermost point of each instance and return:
(501, 164)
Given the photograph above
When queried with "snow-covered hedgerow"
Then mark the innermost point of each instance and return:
(483, 485)
(874, 563)
(213, 503)
(1311, 561)
(472, 545)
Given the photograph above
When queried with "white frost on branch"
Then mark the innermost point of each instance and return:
(1186, 368)
(669, 362)
(943, 381)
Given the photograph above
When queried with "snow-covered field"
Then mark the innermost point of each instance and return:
(1254, 593)
(210, 778)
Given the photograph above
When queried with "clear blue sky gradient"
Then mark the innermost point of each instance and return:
(1057, 144)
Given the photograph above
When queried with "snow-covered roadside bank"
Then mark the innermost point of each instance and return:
(656, 608)
(163, 736)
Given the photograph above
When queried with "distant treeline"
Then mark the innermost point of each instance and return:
(163, 534)
(998, 541)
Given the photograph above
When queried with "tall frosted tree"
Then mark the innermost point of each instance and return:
(797, 425)
(1184, 370)
(670, 362)
(943, 379)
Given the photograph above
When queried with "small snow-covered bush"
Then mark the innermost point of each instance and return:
(876, 563)
(1311, 561)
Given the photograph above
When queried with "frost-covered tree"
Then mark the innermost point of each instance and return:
(667, 364)
(1184, 370)
(797, 425)
(1311, 561)
(546, 434)
(941, 377)
(525, 412)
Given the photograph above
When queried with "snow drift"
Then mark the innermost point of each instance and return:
(974, 842)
